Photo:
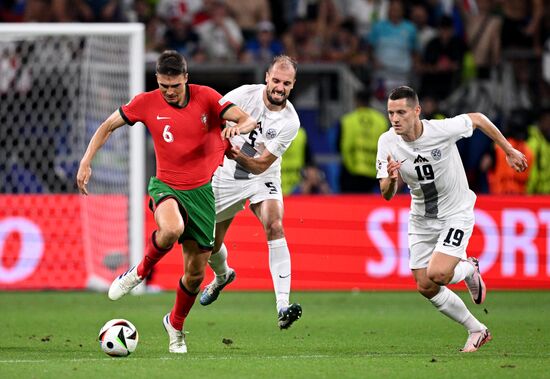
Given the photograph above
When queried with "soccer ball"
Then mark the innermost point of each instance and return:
(118, 338)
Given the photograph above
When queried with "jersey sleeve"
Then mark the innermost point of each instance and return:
(135, 110)
(457, 127)
(384, 149)
(237, 95)
(280, 144)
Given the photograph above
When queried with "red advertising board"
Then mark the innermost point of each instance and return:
(336, 243)
(360, 242)
(61, 241)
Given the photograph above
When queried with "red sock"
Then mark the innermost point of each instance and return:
(153, 254)
(184, 303)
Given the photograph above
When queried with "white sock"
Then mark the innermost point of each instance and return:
(218, 263)
(462, 270)
(279, 265)
(448, 303)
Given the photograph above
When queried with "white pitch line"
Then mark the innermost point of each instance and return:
(309, 356)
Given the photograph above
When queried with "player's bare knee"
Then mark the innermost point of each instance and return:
(169, 235)
(274, 230)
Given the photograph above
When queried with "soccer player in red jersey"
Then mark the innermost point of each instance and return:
(186, 124)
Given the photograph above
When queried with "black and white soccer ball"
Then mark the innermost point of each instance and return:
(118, 337)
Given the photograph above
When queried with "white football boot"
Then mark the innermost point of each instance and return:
(124, 284)
(177, 337)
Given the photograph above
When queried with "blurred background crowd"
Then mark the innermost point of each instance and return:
(461, 56)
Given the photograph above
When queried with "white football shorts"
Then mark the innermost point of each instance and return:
(231, 195)
(448, 236)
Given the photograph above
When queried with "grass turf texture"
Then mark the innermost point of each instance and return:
(341, 335)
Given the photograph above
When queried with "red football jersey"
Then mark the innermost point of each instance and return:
(188, 142)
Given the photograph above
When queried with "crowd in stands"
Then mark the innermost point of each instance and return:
(461, 55)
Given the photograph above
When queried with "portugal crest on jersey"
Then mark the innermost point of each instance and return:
(204, 120)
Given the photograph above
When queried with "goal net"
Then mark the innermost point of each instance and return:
(58, 82)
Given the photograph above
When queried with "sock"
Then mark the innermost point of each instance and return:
(279, 265)
(153, 254)
(182, 306)
(448, 303)
(462, 270)
(218, 263)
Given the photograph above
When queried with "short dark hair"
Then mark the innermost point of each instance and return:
(284, 60)
(404, 92)
(171, 63)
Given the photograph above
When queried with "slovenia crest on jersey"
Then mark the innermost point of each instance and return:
(270, 133)
(436, 154)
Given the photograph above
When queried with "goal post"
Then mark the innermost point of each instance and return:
(58, 82)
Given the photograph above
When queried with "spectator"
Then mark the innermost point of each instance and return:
(503, 181)
(313, 182)
(248, 14)
(12, 10)
(155, 41)
(539, 142)
(182, 9)
(424, 31)
(181, 37)
(98, 10)
(264, 47)
(359, 132)
(394, 47)
(220, 38)
(483, 37)
(324, 13)
(442, 62)
(47, 11)
(317, 19)
(301, 42)
(521, 24)
(143, 11)
(344, 45)
(365, 13)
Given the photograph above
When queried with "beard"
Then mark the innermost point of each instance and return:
(276, 102)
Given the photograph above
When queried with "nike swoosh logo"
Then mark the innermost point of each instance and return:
(162, 118)
(478, 342)
(282, 277)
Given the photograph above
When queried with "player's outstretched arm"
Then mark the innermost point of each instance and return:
(244, 123)
(388, 186)
(254, 165)
(515, 158)
(101, 135)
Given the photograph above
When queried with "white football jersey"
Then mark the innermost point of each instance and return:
(431, 167)
(274, 132)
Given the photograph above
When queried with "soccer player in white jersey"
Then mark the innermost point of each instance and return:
(441, 218)
(252, 170)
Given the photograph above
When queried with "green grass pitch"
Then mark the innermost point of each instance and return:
(341, 335)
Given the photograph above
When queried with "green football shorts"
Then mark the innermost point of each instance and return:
(197, 207)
